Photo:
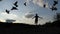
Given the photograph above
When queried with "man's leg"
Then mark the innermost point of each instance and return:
(36, 22)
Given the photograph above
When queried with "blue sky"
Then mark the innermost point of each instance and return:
(33, 7)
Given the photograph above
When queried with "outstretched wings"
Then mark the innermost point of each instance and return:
(25, 3)
(16, 3)
(14, 8)
(7, 11)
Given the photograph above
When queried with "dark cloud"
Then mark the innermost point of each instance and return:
(29, 15)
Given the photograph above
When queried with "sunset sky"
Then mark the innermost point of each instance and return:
(24, 13)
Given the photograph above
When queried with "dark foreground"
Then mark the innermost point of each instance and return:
(48, 28)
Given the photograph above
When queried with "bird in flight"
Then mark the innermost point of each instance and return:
(16, 3)
(14, 8)
(7, 11)
(53, 8)
(55, 2)
(25, 3)
(44, 5)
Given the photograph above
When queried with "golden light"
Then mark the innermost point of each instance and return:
(2, 20)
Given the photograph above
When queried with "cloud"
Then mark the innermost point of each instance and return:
(29, 15)
(1, 20)
(38, 2)
(8, 16)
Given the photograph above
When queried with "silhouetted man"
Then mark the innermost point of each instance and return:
(36, 18)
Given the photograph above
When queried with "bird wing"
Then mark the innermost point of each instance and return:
(7, 11)
(25, 3)
(14, 8)
(15, 3)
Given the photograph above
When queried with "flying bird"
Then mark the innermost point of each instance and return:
(7, 11)
(25, 3)
(14, 8)
(16, 3)
(44, 5)
(53, 8)
(55, 2)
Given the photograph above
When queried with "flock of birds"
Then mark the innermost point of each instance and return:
(16, 5)
(54, 5)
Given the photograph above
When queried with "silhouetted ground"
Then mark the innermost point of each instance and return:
(48, 28)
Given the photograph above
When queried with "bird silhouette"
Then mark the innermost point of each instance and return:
(53, 8)
(7, 11)
(14, 8)
(55, 2)
(16, 4)
(25, 3)
(44, 5)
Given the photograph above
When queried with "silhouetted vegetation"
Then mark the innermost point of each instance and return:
(57, 16)
(19, 28)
